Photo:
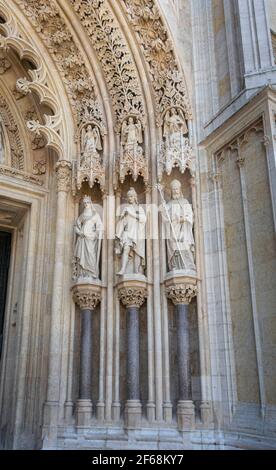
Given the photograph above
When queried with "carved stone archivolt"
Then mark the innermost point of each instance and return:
(167, 80)
(113, 53)
(15, 38)
(49, 23)
(87, 296)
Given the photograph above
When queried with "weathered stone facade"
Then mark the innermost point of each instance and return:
(110, 102)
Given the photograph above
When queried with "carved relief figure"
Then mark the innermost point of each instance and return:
(91, 141)
(132, 132)
(175, 127)
(130, 236)
(89, 230)
(178, 221)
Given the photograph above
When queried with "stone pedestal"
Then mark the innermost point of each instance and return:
(181, 288)
(132, 291)
(185, 415)
(206, 414)
(86, 296)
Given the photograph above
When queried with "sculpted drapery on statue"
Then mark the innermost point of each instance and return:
(132, 132)
(130, 236)
(178, 221)
(175, 127)
(89, 231)
(91, 141)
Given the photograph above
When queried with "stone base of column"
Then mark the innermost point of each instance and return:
(150, 411)
(206, 414)
(100, 407)
(68, 412)
(185, 415)
(133, 414)
(83, 413)
(116, 411)
(167, 409)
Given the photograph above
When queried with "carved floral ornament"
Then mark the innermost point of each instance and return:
(86, 298)
(132, 296)
(181, 293)
(167, 79)
(116, 60)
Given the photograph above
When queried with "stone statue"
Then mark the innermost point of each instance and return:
(178, 223)
(175, 127)
(130, 236)
(90, 141)
(131, 132)
(89, 230)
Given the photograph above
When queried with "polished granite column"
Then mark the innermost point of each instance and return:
(132, 292)
(181, 289)
(86, 296)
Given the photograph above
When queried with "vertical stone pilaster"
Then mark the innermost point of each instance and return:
(51, 406)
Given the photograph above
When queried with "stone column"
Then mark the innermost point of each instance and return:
(86, 296)
(132, 292)
(181, 289)
(51, 407)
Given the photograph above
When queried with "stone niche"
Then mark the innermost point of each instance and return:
(193, 320)
(97, 198)
(121, 199)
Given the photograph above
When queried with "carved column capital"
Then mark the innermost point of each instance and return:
(64, 177)
(87, 296)
(132, 296)
(182, 293)
(132, 290)
(180, 288)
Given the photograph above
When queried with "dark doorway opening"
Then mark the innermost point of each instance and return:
(5, 253)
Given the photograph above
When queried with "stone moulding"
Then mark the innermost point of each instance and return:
(8, 171)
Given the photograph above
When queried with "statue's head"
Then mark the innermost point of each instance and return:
(173, 111)
(132, 196)
(87, 202)
(131, 120)
(89, 127)
(176, 189)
